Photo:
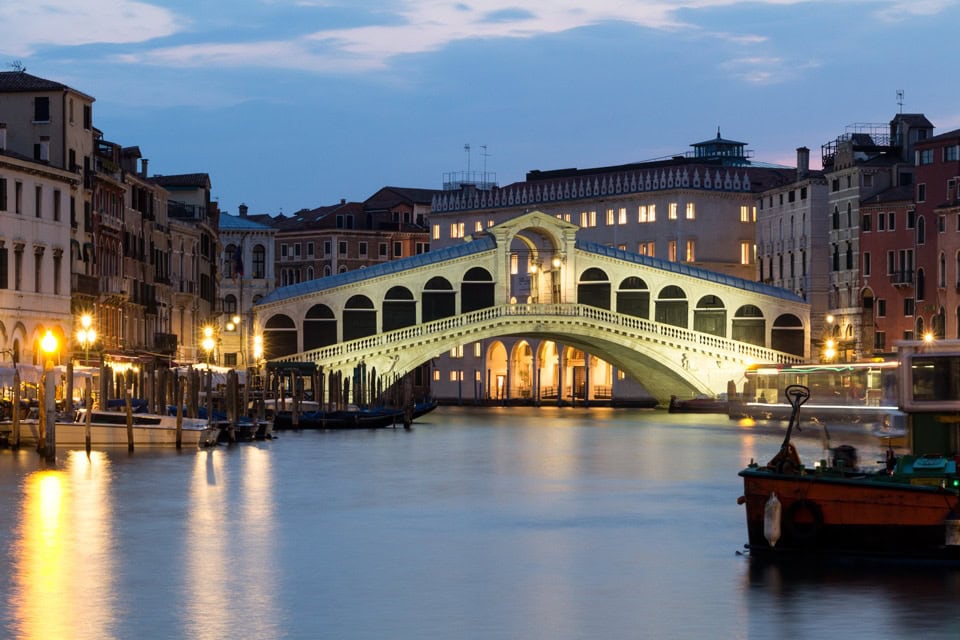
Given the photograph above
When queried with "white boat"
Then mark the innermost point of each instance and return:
(109, 428)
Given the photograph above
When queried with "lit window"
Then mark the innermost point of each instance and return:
(652, 213)
(623, 215)
(457, 351)
(642, 214)
(514, 264)
(609, 217)
(672, 211)
(744, 213)
(436, 375)
(691, 212)
(476, 349)
(691, 250)
(746, 252)
(453, 376)
(490, 223)
(584, 220)
(478, 226)
(593, 218)
(672, 251)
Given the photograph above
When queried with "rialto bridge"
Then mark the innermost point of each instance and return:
(673, 328)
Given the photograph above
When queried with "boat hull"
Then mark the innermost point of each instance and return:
(373, 419)
(71, 434)
(850, 515)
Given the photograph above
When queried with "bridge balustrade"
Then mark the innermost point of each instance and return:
(451, 325)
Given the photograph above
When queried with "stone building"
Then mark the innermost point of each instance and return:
(866, 160)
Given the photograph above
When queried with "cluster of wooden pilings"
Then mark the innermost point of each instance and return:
(336, 391)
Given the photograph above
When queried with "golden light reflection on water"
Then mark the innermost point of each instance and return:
(206, 542)
(228, 560)
(63, 572)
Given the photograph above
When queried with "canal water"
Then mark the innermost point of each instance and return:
(477, 523)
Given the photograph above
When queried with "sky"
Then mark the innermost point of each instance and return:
(293, 104)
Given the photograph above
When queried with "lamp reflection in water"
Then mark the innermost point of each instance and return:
(47, 429)
(236, 564)
(63, 568)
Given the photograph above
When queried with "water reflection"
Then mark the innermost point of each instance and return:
(229, 530)
(805, 598)
(62, 561)
(207, 561)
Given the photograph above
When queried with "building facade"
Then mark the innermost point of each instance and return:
(857, 165)
(792, 241)
(247, 263)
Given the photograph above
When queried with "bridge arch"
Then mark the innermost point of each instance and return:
(439, 299)
(788, 334)
(399, 308)
(749, 325)
(710, 316)
(633, 297)
(497, 369)
(359, 318)
(319, 327)
(477, 290)
(672, 306)
(279, 336)
(593, 288)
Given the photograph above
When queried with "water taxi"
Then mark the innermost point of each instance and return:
(109, 428)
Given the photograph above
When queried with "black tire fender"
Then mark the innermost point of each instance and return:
(802, 521)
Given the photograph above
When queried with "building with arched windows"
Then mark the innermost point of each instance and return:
(246, 270)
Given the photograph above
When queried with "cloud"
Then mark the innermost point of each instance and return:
(899, 10)
(393, 28)
(27, 25)
(766, 70)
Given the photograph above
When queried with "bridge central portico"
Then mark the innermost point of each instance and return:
(673, 328)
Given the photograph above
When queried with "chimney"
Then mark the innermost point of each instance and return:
(3, 136)
(343, 201)
(803, 162)
(243, 210)
(143, 167)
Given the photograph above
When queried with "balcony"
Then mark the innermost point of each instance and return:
(902, 278)
(165, 343)
(85, 285)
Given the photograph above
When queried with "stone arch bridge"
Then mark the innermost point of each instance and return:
(676, 329)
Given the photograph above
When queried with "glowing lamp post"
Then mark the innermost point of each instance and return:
(86, 336)
(208, 342)
(48, 435)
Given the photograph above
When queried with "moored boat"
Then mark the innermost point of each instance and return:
(109, 428)
(907, 507)
(345, 419)
(698, 404)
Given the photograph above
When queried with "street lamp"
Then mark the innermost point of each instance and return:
(208, 342)
(86, 336)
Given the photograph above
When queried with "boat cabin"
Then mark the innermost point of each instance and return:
(929, 393)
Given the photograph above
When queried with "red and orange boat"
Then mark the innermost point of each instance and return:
(908, 508)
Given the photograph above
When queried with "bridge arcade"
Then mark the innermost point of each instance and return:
(524, 309)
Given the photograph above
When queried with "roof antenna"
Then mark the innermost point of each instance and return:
(466, 148)
(900, 99)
